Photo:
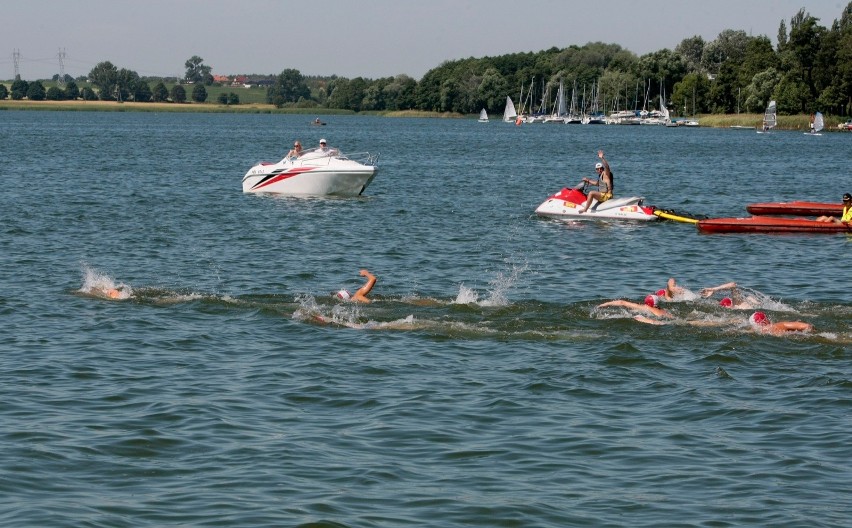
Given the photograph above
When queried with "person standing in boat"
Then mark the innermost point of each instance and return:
(846, 215)
(604, 183)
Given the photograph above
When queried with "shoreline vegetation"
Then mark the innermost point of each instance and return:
(791, 122)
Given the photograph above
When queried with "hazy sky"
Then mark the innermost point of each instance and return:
(368, 38)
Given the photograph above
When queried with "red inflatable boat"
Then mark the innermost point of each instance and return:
(796, 208)
(771, 224)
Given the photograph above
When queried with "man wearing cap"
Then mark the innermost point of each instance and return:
(847, 212)
(604, 183)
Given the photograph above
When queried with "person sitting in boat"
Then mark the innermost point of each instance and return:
(324, 149)
(361, 294)
(650, 307)
(604, 183)
(761, 323)
(296, 151)
(846, 216)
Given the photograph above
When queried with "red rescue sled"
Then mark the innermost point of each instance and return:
(796, 208)
(771, 224)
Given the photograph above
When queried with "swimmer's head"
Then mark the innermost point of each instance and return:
(660, 293)
(113, 293)
(652, 301)
(598, 166)
(343, 295)
(758, 319)
(726, 302)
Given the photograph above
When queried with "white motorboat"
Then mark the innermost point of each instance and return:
(314, 173)
(565, 205)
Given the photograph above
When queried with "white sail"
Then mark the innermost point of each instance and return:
(483, 116)
(509, 114)
(770, 118)
(561, 103)
(819, 124)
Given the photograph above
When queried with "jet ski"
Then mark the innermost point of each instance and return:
(566, 204)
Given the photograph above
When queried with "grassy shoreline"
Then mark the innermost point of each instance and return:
(794, 122)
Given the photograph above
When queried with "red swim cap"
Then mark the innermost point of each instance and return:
(726, 302)
(652, 301)
(758, 318)
(661, 293)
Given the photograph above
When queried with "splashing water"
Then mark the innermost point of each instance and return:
(102, 285)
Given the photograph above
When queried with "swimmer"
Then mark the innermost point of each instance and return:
(363, 291)
(650, 307)
(736, 300)
(761, 323)
(671, 290)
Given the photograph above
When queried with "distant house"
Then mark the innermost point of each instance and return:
(221, 79)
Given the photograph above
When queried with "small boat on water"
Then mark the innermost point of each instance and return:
(817, 125)
(796, 208)
(770, 224)
(565, 205)
(770, 118)
(483, 116)
(509, 113)
(314, 173)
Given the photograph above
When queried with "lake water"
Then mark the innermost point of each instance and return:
(483, 388)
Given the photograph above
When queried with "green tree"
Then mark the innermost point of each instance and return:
(126, 83)
(72, 92)
(36, 91)
(233, 99)
(222, 98)
(398, 94)
(288, 88)
(199, 93)
(19, 89)
(87, 94)
(691, 49)
(142, 93)
(197, 72)
(805, 42)
(160, 93)
(4, 92)
(105, 78)
(54, 93)
(492, 90)
(178, 94)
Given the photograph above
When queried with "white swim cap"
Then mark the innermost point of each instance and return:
(343, 294)
(598, 165)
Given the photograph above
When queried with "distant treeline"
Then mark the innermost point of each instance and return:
(809, 70)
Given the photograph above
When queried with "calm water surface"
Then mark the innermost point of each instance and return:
(483, 388)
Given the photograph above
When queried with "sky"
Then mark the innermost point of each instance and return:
(367, 38)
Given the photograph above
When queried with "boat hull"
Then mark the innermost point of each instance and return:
(769, 224)
(565, 205)
(795, 208)
(310, 177)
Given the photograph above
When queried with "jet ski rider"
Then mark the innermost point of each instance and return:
(604, 183)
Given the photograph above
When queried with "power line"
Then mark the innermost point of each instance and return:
(61, 66)
(16, 57)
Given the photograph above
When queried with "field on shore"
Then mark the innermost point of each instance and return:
(794, 122)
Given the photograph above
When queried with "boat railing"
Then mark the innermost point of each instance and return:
(364, 158)
(316, 157)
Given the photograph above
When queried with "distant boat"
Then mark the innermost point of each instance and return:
(770, 118)
(509, 114)
(317, 122)
(817, 125)
(483, 116)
